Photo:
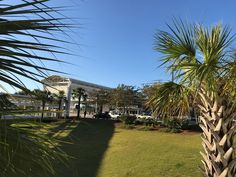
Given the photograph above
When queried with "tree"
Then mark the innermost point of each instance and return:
(100, 98)
(59, 98)
(5, 104)
(203, 64)
(78, 93)
(125, 96)
(44, 96)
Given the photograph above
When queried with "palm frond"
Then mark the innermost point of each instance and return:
(27, 40)
(212, 43)
(207, 80)
(195, 53)
(22, 28)
(170, 99)
(178, 45)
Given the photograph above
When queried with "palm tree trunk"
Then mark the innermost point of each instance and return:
(78, 111)
(101, 108)
(218, 127)
(59, 109)
(43, 107)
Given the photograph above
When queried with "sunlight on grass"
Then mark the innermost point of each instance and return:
(133, 153)
(65, 132)
(98, 148)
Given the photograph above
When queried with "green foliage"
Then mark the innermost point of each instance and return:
(170, 99)
(43, 95)
(148, 122)
(100, 97)
(128, 119)
(5, 103)
(124, 96)
(145, 128)
(165, 130)
(173, 123)
(170, 130)
(176, 123)
(59, 98)
(94, 142)
(78, 94)
(30, 26)
(198, 57)
(27, 31)
(202, 63)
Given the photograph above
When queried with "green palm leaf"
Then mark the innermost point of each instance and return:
(22, 28)
(204, 65)
(170, 99)
(27, 40)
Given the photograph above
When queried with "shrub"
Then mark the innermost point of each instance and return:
(138, 122)
(145, 128)
(173, 124)
(128, 120)
(184, 124)
(169, 130)
(149, 122)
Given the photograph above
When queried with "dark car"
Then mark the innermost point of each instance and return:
(101, 115)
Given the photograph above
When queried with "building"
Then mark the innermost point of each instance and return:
(56, 83)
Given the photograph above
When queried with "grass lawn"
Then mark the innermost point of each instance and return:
(102, 150)
(99, 148)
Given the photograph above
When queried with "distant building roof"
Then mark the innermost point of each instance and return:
(56, 78)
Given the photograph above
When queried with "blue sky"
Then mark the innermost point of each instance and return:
(116, 36)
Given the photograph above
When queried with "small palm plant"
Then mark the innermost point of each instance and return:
(203, 63)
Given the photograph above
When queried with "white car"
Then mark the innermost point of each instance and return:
(144, 116)
(114, 115)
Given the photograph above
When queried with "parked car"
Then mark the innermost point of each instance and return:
(114, 115)
(144, 116)
(101, 115)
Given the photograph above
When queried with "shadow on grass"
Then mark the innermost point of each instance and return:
(88, 141)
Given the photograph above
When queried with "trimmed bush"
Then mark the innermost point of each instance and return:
(128, 119)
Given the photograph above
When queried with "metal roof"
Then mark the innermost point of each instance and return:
(56, 78)
(75, 81)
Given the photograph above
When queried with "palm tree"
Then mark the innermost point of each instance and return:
(203, 64)
(59, 99)
(44, 96)
(5, 104)
(78, 93)
(27, 41)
